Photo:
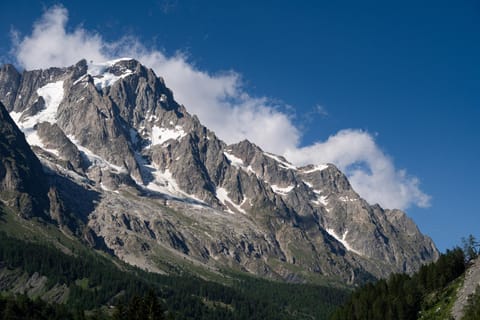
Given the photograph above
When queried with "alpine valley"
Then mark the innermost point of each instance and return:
(101, 155)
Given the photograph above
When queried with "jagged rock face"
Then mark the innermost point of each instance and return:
(23, 185)
(10, 79)
(170, 185)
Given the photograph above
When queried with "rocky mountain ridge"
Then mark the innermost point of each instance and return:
(168, 187)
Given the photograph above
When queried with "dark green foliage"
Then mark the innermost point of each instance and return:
(472, 309)
(21, 307)
(447, 268)
(301, 300)
(141, 308)
(95, 281)
(400, 296)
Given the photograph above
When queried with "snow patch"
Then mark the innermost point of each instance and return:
(347, 199)
(322, 200)
(317, 168)
(52, 93)
(250, 169)
(16, 117)
(95, 159)
(281, 190)
(235, 161)
(102, 78)
(342, 240)
(165, 183)
(33, 139)
(283, 163)
(222, 195)
(80, 79)
(161, 135)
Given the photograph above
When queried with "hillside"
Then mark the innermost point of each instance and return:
(41, 262)
(441, 290)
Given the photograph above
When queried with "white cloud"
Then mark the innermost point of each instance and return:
(51, 45)
(221, 103)
(218, 100)
(370, 171)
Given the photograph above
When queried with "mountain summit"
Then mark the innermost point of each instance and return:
(171, 192)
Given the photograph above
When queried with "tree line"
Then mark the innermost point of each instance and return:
(99, 289)
(401, 295)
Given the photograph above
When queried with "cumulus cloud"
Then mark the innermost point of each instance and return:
(370, 171)
(222, 104)
(218, 100)
(51, 45)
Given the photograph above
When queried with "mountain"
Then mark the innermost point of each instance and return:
(134, 173)
(22, 185)
(39, 259)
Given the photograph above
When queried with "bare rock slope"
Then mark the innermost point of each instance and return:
(170, 190)
(470, 285)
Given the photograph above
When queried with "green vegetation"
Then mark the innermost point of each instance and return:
(147, 307)
(438, 304)
(300, 301)
(101, 287)
(428, 294)
(22, 307)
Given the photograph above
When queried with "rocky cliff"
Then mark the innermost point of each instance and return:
(23, 186)
(170, 190)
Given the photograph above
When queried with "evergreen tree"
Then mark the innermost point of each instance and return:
(471, 247)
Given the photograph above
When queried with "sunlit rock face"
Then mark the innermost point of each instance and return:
(169, 189)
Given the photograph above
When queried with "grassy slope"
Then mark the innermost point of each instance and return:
(438, 304)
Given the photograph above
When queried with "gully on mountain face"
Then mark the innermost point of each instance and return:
(167, 184)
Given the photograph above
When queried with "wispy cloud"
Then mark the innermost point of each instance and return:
(320, 110)
(222, 104)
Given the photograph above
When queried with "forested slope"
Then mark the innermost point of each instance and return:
(98, 286)
(428, 294)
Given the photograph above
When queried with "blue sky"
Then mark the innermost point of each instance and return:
(382, 84)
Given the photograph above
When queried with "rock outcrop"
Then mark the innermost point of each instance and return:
(170, 187)
(469, 287)
(23, 186)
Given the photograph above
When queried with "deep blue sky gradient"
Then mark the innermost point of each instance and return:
(406, 70)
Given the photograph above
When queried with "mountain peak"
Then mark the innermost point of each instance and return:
(107, 73)
(115, 127)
